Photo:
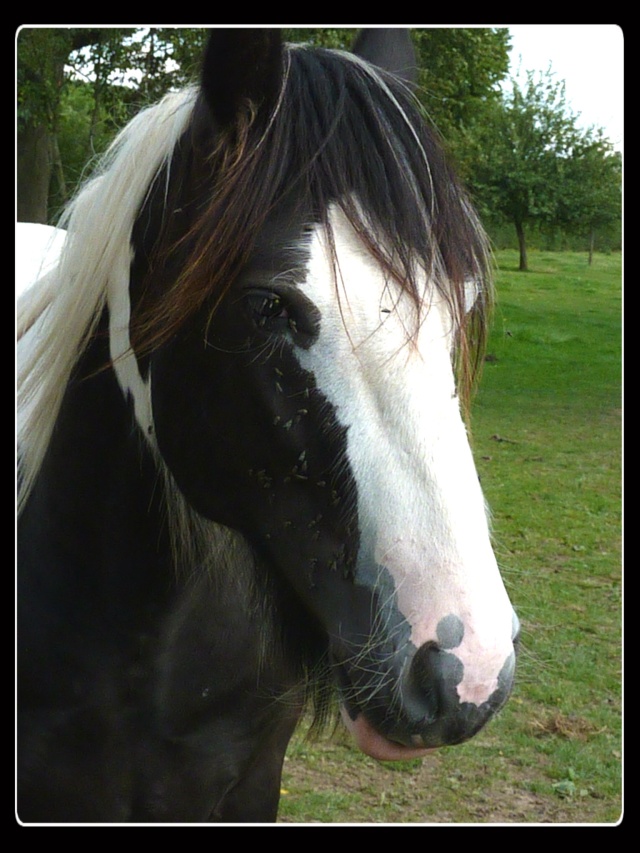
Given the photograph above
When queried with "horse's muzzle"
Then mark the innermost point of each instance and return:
(416, 703)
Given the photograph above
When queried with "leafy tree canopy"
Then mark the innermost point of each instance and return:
(460, 72)
(530, 161)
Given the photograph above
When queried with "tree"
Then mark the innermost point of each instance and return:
(592, 198)
(521, 149)
(43, 54)
(336, 39)
(94, 80)
(460, 70)
(41, 58)
(122, 70)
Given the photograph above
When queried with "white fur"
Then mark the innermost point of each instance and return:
(123, 357)
(421, 511)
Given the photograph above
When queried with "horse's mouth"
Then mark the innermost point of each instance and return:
(376, 745)
(407, 711)
(368, 738)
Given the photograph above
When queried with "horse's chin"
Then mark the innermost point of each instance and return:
(377, 746)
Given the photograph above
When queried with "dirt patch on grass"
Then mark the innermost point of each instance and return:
(568, 726)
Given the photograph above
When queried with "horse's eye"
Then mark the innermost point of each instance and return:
(267, 309)
(290, 315)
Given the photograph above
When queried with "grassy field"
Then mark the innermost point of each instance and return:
(547, 439)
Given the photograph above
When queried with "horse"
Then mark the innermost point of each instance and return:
(38, 249)
(246, 490)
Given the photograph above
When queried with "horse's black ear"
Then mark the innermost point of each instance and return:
(241, 65)
(390, 49)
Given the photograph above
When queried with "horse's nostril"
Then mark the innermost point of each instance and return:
(434, 670)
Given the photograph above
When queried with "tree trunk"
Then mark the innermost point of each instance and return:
(522, 243)
(57, 171)
(42, 53)
(592, 240)
(34, 173)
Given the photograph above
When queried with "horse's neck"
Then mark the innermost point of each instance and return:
(97, 534)
(118, 642)
(97, 568)
(92, 524)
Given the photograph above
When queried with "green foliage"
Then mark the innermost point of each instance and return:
(76, 88)
(556, 237)
(336, 39)
(41, 54)
(592, 186)
(460, 70)
(521, 155)
(520, 151)
(534, 168)
(85, 130)
(185, 48)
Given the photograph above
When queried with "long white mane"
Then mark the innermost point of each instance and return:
(58, 315)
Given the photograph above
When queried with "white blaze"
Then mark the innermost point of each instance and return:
(420, 506)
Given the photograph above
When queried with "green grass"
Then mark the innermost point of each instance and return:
(552, 388)
(546, 427)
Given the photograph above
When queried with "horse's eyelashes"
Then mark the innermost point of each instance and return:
(268, 310)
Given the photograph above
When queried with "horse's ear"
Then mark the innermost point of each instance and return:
(241, 65)
(390, 49)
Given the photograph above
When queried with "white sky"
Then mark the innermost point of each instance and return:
(588, 57)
